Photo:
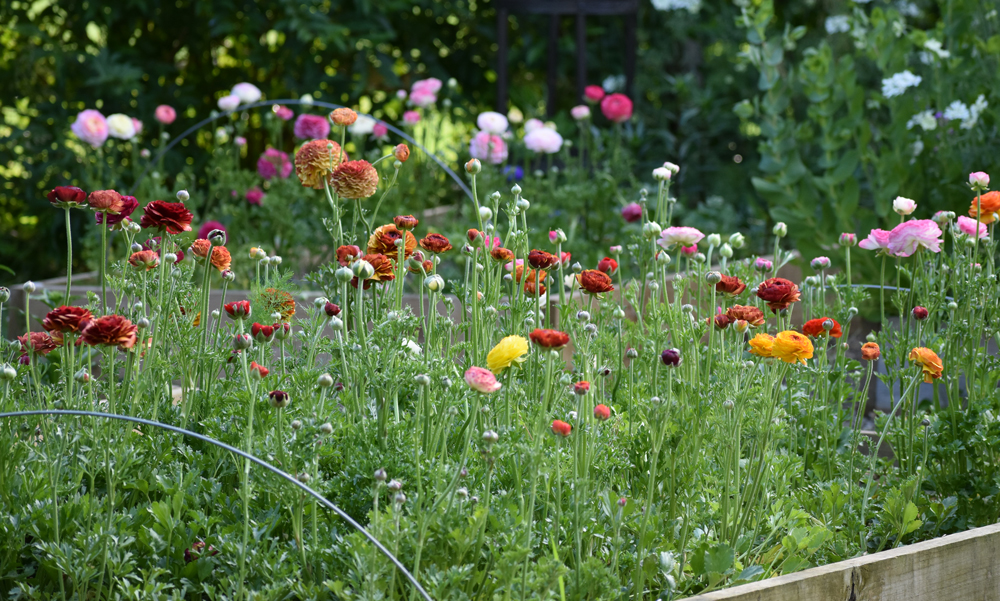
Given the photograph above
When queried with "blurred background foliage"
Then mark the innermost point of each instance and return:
(789, 150)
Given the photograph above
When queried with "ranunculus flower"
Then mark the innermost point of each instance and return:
(258, 371)
(533, 125)
(110, 330)
(877, 240)
(617, 107)
(539, 259)
(763, 265)
(311, 127)
(730, 286)
(401, 152)
(411, 117)
(380, 131)
(492, 122)
(355, 179)
(315, 161)
(383, 241)
(120, 126)
(137, 126)
(602, 412)
(549, 338)
(533, 289)
(990, 205)
(502, 255)
(343, 116)
(593, 94)
(435, 243)
(229, 102)
(382, 268)
(968, 227)
(632, 212)
(274, 163)
(511, 350)
(751, 315)
(679, 236)
(362, 126)
(870, 351)
(165, 114)
(280, 301)
(762, 345)
(254, 196)
(262, 333)
(347, 254)
(144, 260)
(67, 197)
(66, 319)
(778, 293)
(920, 313)
(561, 428)
(279, 398)
(405, 222)
(238, 309)
(814, 328)
(91, 127)
(246, 92)
(283, 112)
(40, 343)
(907, 237)
(543, 140)
(481, 380)
(979, 179)
(128, 206)
(791, 347)
(171, 216)
(106, 201)
(489, 148)
(580, 112)
(608, 265)
(904, 206)
(593, 281)
(929, 362)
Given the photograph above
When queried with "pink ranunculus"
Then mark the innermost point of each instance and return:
(979, 179)
(311, 127)
(907, 237)
(283, 112)
(431, 85)
(489, 148)
(553, 236)
(422, 99)
(632, 212)
(968, 227)
(240, 141)
(401, 94)
(165, 114)
(380, 131)
(544, 140)
(532, 124)
(876, 240)
(91, 127)
(274, 162)
(205, 229)
(617, 107)
(680, 236)
(690, 250)
(481, 380)
(228, 102)
(411, 117)
(580, 112)
(137, 125)
(510, 266)
(593, 94)
(254, 196)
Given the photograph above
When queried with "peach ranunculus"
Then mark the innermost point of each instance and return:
(383, 241)
(751, 315)
(989, 204)
(929, 363)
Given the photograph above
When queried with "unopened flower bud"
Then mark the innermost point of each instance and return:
(515, 189)
(242, 341)
(713, 240)
(399, 499)
(395, 486)
(170, 258)
(326, 428)
(434, 283)
(344, 274)
(485, 213)
(523, 205)
(303, 477)
(490, 437)
(632, 353)
(663, 258)
(82, 376)
(142, 323)
(324, 381)
(422, 380)
(183, 196)
(619, 313)
(296, 424)
(737, 240)
(726, 251)
(29, 287)
(462, 492)
(473, 166)
(7, 373)
(780, 229)
(827, 324)
(713, 277)
(728, 404)
(651, 230)
(380, 475)
(362, 269)
(583, 316)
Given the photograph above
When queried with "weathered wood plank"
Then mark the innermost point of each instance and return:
(964, 566)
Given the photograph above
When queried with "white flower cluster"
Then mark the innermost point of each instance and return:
(925, 119)
(968, 115)
(838, 24)
(934, 50)
(898, 83)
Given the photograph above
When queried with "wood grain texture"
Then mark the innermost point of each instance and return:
(963, 567)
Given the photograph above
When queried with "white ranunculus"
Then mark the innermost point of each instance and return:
(362, 126)
(544, 140)
(492, 122)
(246, 92)
(229, 103)
(120, 126)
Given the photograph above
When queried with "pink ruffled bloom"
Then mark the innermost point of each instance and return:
(876, 240)
(617, 107)
(255, 195)
(488, 147)
(424, 92)
(680, 236)
(593, 93)
(423, 99)
(380, 131)
(284, 113)
(580, 112)
(411, 117)
(906, 238)
(968, 227)
(205, 229)
(632, 212)
(272, 163)
(481, 380)
(91, 127)
(311, 127)
(543, 140)
(165, 114)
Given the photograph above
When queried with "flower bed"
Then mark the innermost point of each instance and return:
(484, 407)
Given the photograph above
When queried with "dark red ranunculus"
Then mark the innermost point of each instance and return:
(171, 216)
(110, 330)
(778, 293)
(67, 197)
(67, 319)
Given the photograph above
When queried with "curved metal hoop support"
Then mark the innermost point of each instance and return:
(258, 461)
(207, 120)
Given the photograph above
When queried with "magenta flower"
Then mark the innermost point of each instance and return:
(205, 229)
(165, 114)
(481, 380)
(680, 236)
(489, 148)
(968, 227)
(689, 250)
(311, 127)
(411, 117)
(907, 237)
(255, 195)
(763, 265)
(380, 131)
(283, 112)
(632, 212)
(91, 127)
(876, 240)
(424, 92)
(273, 162)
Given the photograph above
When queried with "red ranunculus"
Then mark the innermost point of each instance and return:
(171, 216)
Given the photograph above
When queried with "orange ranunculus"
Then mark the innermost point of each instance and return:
(791, 347)
(315, 161)
(751, 315)
(778, 293)
(405, 222)
(529, 284)
(814, 328)
(383, 267)
(383, 241)
(502, 255)
(730, 285)
(593, 281)
(990, 204)
(762, 345)
(870, 351)
(435, 243)
(355, 179)
(549, 338)
(348, 254)
(343, 116)
(928, 361)
(221, 259)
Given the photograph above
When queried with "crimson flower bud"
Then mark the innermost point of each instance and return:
(920, 313)
(242, 341)
(671, 357)
(331, 310)
(238, 309)
(581, 388)
(602, 412)
(279, 398)
(262, 333)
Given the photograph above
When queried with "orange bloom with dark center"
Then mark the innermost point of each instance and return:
(502, 255)
(778, 293)
(221, 259)
(539, 259)
(355, 179)
(110, 330)
(171, 216)
(519, 272)
(549, 338)
(67, 319)
(989, 203)
(145, 259)
(279, 301)
(814, 328)
(343, 117)
(751, 315)
(593, 281)
(106, 201)
(383, 267)
(730, 285)
(383, 241)
(435, 243)
(405, 222)
(870, 351)
(401, 152)
(929, 363)
(348, 254)
(40, 343)
(315, 161)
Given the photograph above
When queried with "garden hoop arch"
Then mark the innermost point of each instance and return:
(284, 475)
(210, 119)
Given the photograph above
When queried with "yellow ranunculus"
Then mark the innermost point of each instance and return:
(792, 347)
(761, 345)
(929, 363)
(507, 352)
